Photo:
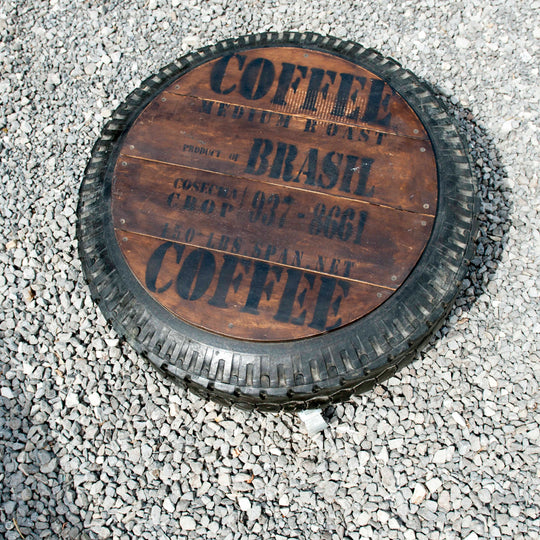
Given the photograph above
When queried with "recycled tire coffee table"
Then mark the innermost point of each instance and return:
(279, 220)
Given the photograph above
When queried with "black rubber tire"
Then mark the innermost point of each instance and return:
(304, 373)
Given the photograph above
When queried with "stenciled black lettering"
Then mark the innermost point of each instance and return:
(260, 150)
(331, 170)
(290, 296)
(257, 79)
(153, 266)
(348, 266)
(198, 267)
(190, 202)
(218, 73)
(283, 161)
(265, 117)
(326, 302)
(331, 129)
(238, 112)
(374, 103)
(284, 82)
(283, 166)
(224, 242)
(310, 125)
(365, 168)
(363, 171)
(350, 167)
(270, 250)
(283, 120)
(171, 199)
(236, 245)
(225, 208)
(208, 206)
(260, 284)
(309, 168)
(344, 94)
(228, 279)
(222, 109)
(314, 88)
(334, 266)
(206, 106)
(360, 227)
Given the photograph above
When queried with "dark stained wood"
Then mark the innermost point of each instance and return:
(190, 284)
(269, 222)
(403, 121)
(177, 131)
(274, 195)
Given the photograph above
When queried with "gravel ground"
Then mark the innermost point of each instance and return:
(96, 444)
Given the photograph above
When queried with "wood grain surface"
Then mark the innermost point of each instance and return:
(274, 194)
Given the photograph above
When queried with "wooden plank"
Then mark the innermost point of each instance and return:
(298, 81)
(244, 298)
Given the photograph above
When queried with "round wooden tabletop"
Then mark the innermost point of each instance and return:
(274, 194)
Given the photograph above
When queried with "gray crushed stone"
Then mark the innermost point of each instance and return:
(96, 444)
